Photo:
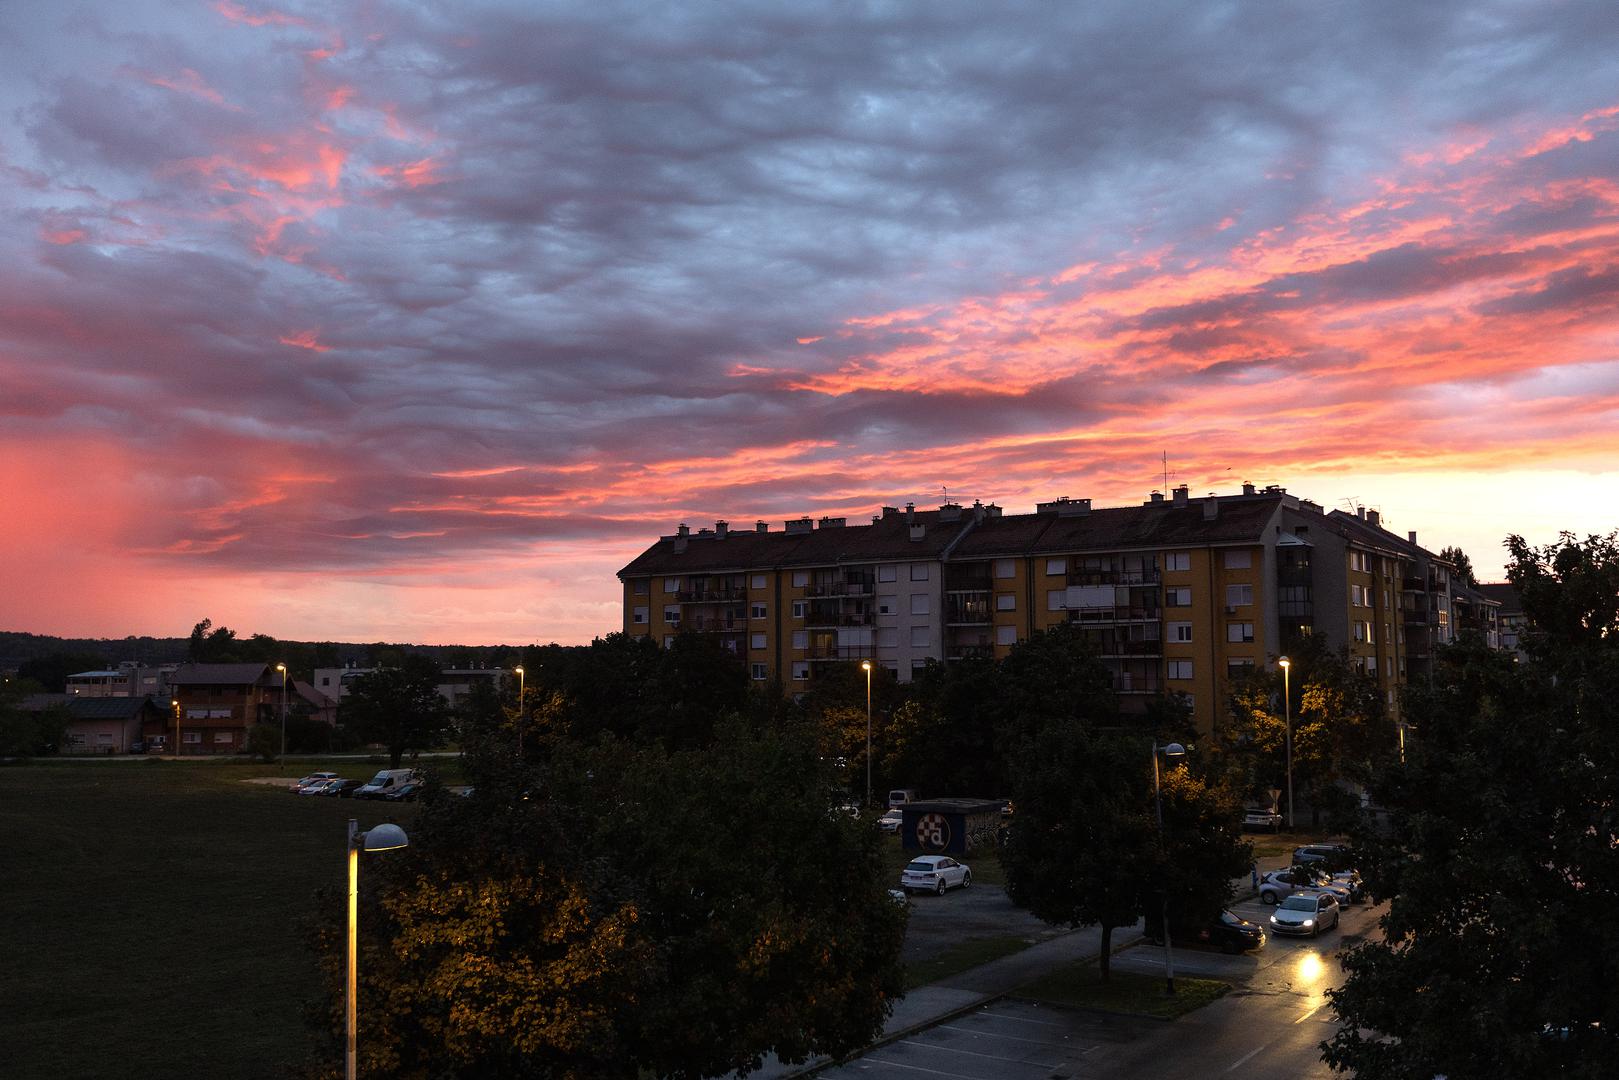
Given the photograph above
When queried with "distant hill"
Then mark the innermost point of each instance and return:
(18, 648)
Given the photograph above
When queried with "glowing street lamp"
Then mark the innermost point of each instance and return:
(1287, 719)
(174, 703)
(381, 838)
(865, 666)
(282, 753)
(520, 687)
(1174, 751)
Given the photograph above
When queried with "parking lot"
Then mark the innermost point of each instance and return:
(961, 915)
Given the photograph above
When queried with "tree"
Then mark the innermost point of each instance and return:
(1499, 950)
(622, 910)
(400, 707)
(25, 732)
(1457, 558)
(51, 671)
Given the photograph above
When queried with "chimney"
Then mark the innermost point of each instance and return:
(798, 525)
(759, 527)
(1360, 512)
(1412, 536)
(1374, 518)
(910, 513)
(833, 523)
(721, 528)
(890, 511)
(1157, 497)
(1211, 509)
(682, 531)
(949, 511)
(1065, 507)
(1180, 494)
(1247, 488)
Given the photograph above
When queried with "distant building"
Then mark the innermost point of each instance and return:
(214, 706)
(1511, 620)
(1179, 594)
(454, 683)
(129, 679)
(100, 725)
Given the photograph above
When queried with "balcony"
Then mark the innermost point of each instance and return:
(967, 584)
(1131, 648)
(837, 618)
(838, 652)
(700, 624)
(1110, 616)
(1137, 684)
(972, 652)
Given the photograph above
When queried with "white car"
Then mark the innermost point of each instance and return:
(314, 778)
(891, 821)
(1305, 913)
(934, 873)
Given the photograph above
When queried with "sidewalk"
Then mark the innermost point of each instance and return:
(937, 1002)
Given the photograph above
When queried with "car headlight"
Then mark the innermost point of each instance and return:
(1273, 920)
(1309, 922)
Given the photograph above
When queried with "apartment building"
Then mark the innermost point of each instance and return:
(1179, 594)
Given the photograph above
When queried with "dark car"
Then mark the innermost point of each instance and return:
(403, 793)
(1228, 932)
(339, 789)
(1332, 856)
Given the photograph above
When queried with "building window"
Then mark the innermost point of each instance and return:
(919, 571)
(799, 607)
(1180, 669)
(800, 639)
(919, 665)
(919, 637)
(1005, 601)
(1056, 566)
(1238, 560)
(756, 641)
(1006, 635)
(1057, 600)
(919, 603)
(1360, 631)
(671, 584)
(800, 670)
(800, 578)
(757, 581)
(888, 637)
(1006, 568)
(1180, 631)
(641, 615)
(757, 671)
(1181, 597)
(889, 572)
(671, 615)
(1239, 595)
(641, 586)
(191, 736)
(757, 611)
(888, 605)
(1240, 631)
(1238, 669)
(1178, 560)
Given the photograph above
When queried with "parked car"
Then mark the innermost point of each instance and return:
(1305, 913)
(891, 821)
(404, 793)
(1228, 932)
(336, 789)
(1346, 880)
(900, 796)
(1261, 818)
(1278, 885)
(313, 778)
(1333, 856)
(934, 873)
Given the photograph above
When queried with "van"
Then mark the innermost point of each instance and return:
(900, 796)
(384, 782)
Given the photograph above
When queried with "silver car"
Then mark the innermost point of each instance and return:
(934, 873)
(1305, 914)
(1278, 885)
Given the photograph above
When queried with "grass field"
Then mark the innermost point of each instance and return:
(154, 916)
(1080, 986)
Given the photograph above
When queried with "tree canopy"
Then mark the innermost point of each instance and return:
(1499, 954)
(400, 707)
(1464, 566)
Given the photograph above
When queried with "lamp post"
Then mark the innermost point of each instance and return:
(866, 667)
(174, 703)
(282, 753)
(381, 838)
(1287, 719)
(1172, 751)
(521, 684)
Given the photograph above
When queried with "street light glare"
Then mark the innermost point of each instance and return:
(865, 665)
(1285, 662)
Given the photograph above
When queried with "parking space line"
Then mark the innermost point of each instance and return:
(1240, 1062)
(917, 1068)
(1311, 1013)
(974, 1053)
(988, 1014)
(986, 1035)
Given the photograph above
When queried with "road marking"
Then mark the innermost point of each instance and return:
(1240, 1062)
(916, 1068)
(988, 1015)
(974, 1053)
(1311, 1013)
(986, 1035)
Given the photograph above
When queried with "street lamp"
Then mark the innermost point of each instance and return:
(866, 667)
(283, 751)
(381, 838)
(1287, 719)
(520, 686)
(1173, 751)
(174, 703)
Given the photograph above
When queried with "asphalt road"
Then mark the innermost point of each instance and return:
(1269, 1026)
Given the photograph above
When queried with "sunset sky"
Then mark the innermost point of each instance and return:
(415, 322)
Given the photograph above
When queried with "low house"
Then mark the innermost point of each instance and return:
(214, 706)
(100, 725)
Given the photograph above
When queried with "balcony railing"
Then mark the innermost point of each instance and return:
(837, 618)
(973, 652)
(968, 584)
(838, 652)
(698, 623)
(1137, 684)
(1113, 577)
(711, 596)
(838, 588)
(1104, 616)
(1130, 648)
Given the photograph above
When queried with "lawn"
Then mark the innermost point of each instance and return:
(155, 913)
(961, 957)
(1080, 986)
